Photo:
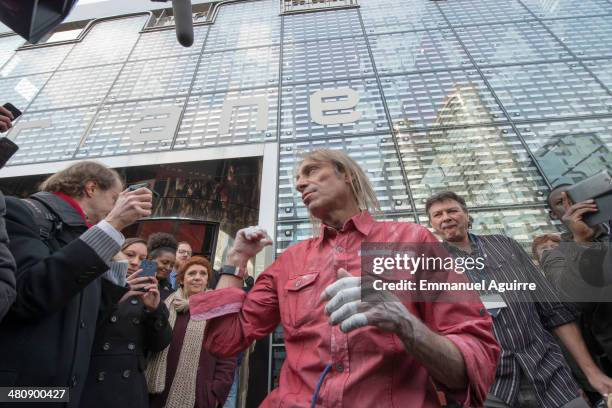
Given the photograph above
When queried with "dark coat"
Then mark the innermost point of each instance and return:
(46, 337)
(123, 339)
(7, 266)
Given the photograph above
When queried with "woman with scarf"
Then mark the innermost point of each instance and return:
(185, 375)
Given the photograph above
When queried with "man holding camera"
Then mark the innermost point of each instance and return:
(63, 239)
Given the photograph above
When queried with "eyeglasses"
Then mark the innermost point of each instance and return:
(184, 252)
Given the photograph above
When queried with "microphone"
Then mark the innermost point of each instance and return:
(183, 21)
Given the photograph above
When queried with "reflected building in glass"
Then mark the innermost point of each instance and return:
(497, 100)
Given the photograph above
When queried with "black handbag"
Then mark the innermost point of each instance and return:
(32, 19)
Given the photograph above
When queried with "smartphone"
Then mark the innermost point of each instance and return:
(599, 188)
(149, 268)
(7, 150)
(11, 108)
(135, 187)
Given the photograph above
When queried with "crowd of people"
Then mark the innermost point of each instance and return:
(79, 309)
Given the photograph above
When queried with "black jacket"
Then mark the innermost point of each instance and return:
(46, 337)
(123, 339)
(7, 266)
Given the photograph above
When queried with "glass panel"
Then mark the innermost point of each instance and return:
(471, 12)
(244, 68)
(106, 43)
(20, 91)
(324, 25)
(485, 165)
(548, 91)
(326, 60)
(201, 122)
(35, 60)
(510, 43)
(417, 51)
(375, 154)
(77, 87)
(163, 44)
(570, 151)
(567, 8)
(155, 79)
(8, 45)
(445, 98)
(383, 16)
(56, 140)
(586, 37)
(288, 234)
(521, 224)
(110, 134)
(297, 115)
(602, 70)
(243, 25)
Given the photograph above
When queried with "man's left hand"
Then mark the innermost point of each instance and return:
(602, 383)
(346, 308)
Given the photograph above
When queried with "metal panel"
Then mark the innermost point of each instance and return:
(586, 37)
(8, 45)
(510, 43)
(110, 134)
(548, 91)
(327, 59)
(472, 12)
(163, 44)
(568, 8)
(417, 51)
(243, 68)
(384, 16)
(375, 154)
(107, 42)
(56, 142)
(35, 60)
(296, 115)
(77, 87)
(201, 124)
(485, 165)
(445, 98)
(20, 91)
(569, 151)
(155, 79)
(321, 25)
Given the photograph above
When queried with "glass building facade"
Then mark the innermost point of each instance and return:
(497, 100)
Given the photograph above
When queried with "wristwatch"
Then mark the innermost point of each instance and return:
(232, 271)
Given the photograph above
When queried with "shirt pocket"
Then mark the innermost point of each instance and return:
(302, 298)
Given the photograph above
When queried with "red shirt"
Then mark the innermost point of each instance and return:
(371, 368)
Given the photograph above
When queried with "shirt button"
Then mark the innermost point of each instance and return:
(113, 319)
(339, 367)
(73, 381)
(101, 376)
(136, 320)
(298, 283)
(339, 249)
(106, 346)
(126, 374)
(131, 346)
(83, 324)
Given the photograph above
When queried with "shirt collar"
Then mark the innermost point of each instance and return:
(362, 222)
(72, 202)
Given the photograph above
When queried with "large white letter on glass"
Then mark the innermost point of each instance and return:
(335, 99)
(156, 128)
(230, 104)
(33, 124)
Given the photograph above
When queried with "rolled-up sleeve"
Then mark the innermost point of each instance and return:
(235, 318)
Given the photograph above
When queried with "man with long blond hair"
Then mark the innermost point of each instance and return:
(342, 351)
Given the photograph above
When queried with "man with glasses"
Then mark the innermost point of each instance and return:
(183, 253)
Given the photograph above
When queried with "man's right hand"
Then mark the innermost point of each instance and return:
(574, 218)
(130, 207)
(248, 243)
(6, 119)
